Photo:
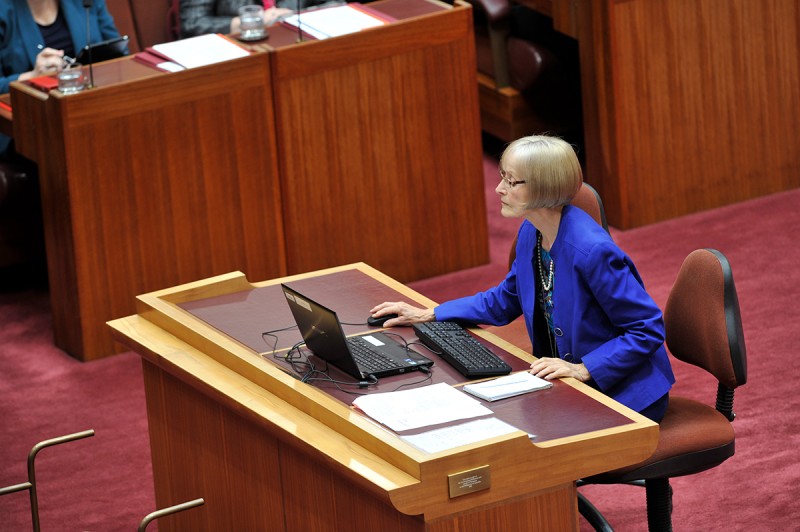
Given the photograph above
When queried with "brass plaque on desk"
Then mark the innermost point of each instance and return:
(469, 481)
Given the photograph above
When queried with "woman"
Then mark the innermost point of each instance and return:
(584, 303)
(36, 35)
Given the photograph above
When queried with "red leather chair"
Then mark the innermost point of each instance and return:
(704, 328)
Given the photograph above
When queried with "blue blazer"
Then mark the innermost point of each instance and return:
(20, 36)
(603, 316)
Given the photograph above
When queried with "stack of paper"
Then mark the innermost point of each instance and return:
(508, 386)
(192, 52)
(420, 407)
(334, 21)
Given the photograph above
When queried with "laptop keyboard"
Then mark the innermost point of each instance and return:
(367, 359)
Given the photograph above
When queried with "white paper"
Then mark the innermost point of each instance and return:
(450, 437)
(201, 50)
(420, 407)
(169, 66)
(508, 386)
(334, 21)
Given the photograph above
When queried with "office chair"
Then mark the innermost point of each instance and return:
(528, 74)
(703, 328)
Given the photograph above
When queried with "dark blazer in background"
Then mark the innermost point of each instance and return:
(20, 36)
(199, 17)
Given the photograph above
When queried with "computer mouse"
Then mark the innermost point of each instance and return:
(378, 322)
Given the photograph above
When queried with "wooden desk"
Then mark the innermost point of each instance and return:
(686, 102)
(268, 452)
(302, 156)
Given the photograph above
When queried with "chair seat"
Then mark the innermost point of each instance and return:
(693, 437)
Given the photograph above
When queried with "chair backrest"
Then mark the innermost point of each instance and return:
(151, 18)
(125, 22)
(587, 199)
(145, 22)
(703, 323)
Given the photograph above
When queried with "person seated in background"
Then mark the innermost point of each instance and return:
(35, 38)
(585, 306)
(37, 35)
(199, 17)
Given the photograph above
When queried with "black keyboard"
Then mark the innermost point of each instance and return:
(367, 359)
(459, 349)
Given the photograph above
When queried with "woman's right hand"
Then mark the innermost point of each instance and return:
(48, 61)
(406, 314)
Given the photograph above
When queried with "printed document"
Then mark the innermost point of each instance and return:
(420, 407)
(437, 440)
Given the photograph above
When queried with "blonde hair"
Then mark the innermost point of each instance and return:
(549, 167)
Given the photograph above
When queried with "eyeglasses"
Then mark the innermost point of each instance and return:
(505, 178)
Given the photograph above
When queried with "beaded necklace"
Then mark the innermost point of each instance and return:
(546, 284)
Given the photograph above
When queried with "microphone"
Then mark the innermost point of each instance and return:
(299, 31)
(87, 5)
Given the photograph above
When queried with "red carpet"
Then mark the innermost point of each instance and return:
(104, 483)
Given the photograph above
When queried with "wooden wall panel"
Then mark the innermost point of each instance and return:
(707, 85)
(687, 103)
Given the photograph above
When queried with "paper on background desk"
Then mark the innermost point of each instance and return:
(200, 51)
(334, 21)
(420, 407)
(437, 440)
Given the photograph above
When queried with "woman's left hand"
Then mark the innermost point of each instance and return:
(555, 368)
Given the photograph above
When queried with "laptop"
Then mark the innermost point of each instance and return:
(374, 354)
(103, 51)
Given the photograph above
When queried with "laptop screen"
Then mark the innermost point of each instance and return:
(321, 331)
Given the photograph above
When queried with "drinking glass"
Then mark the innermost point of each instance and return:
(71, 79)
(251, 23)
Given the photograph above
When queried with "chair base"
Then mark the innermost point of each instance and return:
(659, 507)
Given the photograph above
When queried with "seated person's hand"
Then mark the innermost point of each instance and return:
(270, 16)
(48, 61)
(406, 314)
(555, 368)
(273, 14)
